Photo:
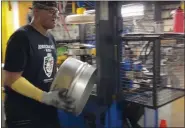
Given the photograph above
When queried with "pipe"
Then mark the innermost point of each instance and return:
(73, 7)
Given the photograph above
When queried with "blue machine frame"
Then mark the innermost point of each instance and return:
(112, 117)
(108, 30)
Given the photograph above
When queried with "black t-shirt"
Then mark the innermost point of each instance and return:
(34, 54)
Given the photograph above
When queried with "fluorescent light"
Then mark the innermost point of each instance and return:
(132, 10)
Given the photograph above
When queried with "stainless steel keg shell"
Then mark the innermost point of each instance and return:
(82, 87)
(79, 78)
(66, 73)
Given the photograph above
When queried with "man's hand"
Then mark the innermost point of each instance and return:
(59, 100)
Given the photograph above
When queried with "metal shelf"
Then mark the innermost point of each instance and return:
(67, 41)
(152, 36)
(163, 96)
(151, 71)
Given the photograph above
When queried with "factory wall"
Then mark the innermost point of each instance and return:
(167, 17)
(7, 25)
(146, 22)
(13, 16)
(65, 32)
(23, 11)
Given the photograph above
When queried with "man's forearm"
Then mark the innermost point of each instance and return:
(24, 87)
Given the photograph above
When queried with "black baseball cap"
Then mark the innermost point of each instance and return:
(42, 4)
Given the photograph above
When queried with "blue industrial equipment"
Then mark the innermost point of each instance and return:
(80, 3)
(104, 111)
(129, 68)
(92, 115)
(126, 68)
(137, 66)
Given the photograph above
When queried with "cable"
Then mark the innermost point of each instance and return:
(145, 48)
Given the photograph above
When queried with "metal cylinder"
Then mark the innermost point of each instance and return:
(82, 87)
(79, 78)
(66, 73)
(178, 21)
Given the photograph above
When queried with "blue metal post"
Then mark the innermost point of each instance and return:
(156, 118)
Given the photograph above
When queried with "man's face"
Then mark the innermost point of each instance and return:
(47, 16)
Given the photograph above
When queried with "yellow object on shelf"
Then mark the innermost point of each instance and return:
(93, 51)
(59, 62)
(80, 10)
(61, 59)
(73, 7)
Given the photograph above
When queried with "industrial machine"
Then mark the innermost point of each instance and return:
(134, 71)
(83, 52)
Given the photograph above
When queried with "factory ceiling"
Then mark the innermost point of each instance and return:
(89, 6)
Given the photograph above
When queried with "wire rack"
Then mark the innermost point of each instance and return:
(152, 68)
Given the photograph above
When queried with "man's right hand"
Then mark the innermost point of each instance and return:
(59, 100)
(22, 86)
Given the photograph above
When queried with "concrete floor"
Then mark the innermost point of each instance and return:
(173, 113)
(176, 114)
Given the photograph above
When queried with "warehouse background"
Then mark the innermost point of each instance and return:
(147, 20)
(9, 10)
(18, 11)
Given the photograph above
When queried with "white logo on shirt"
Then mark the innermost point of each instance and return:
(47, 48)
(48, 64)
(42, 46)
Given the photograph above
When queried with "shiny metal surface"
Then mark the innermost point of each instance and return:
(66, 73)
(79, 45)
(82, 87)
(79, 78)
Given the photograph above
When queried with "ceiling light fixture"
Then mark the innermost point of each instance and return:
(132, 10)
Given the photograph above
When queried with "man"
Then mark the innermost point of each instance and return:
(30, 67)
